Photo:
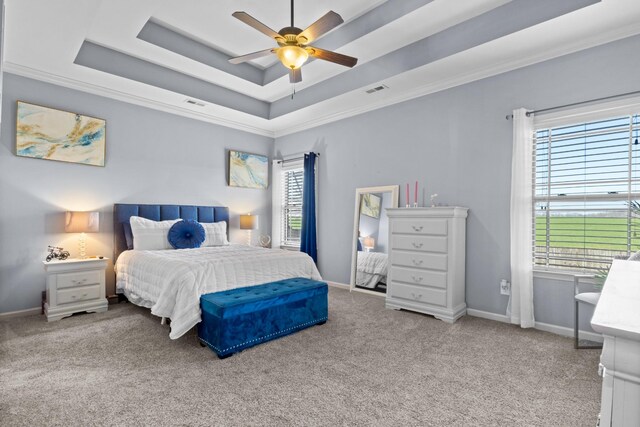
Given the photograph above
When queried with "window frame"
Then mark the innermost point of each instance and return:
(558, 118)
(285, 208)
(279, 167)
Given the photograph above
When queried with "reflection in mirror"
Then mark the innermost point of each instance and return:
(371, 234)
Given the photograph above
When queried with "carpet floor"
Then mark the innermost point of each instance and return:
(365, 366)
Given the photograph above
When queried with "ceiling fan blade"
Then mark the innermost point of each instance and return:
(295, 76)
(327, 55)
(253, 22)
(323, 25)
(251, 56)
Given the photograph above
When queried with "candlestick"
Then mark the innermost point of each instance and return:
(408, 201)
(415, 200)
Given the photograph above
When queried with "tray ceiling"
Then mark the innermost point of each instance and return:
(173, 55)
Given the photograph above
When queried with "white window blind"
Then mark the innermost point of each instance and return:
(292, 181)
(586, 189)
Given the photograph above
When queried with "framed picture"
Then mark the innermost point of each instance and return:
(50, 134)
(248, 170)
(370, 205)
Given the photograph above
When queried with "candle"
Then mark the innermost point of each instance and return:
(415, 202)
(408, 201)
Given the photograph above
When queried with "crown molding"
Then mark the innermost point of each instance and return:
(269, 131)
(47, 77)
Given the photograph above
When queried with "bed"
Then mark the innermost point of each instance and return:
(371, 269)
(170, 282)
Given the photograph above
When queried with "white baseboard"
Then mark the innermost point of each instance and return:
(547, 327)
(19, 313)
(488, 315)
(568, 332)
(338, 285)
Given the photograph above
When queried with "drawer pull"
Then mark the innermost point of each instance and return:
(419, 296)
(417, 262)
(417, 228)
(417, 245)
(416, 279)
(79, 281)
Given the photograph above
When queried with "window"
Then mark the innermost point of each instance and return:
(292, 180)
(586, 188)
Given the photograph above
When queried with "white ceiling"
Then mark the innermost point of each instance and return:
(47, 47)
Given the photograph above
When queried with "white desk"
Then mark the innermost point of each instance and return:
(617, 318)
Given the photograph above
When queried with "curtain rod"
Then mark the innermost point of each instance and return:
(295, 159)
(606, 98)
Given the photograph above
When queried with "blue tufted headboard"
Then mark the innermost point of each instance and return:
(123, 211)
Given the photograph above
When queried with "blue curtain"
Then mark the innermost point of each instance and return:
(308, 243)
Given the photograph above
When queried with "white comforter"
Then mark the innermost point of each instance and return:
(371, 268)
(170, 282)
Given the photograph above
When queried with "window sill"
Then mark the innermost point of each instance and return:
(291, 248)
(560, 275)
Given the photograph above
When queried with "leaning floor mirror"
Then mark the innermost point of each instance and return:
(370, 248)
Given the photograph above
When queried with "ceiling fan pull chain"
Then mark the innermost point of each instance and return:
(293, 92)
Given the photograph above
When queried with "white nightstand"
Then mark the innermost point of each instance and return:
(75, 285)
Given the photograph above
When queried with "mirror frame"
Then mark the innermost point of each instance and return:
(395, 190)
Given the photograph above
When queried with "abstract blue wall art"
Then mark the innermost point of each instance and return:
(248, 170)
(46, 133)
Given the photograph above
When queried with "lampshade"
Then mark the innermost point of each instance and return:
(292, 57)
(248, 222)
(368, 242)
(82, 222)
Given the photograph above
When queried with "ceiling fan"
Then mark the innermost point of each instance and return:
(294, 48)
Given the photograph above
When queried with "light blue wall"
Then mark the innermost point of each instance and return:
(152, 157)
(457, 143)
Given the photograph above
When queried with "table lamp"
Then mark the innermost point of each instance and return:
(248, 222)
(368, 243)
(82, 222)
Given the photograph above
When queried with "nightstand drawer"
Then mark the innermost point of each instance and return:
(66, 296)
(82, 278)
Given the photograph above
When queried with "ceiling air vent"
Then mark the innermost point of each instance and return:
(192, 102)
(377, 89)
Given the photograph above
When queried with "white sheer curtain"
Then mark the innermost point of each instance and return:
(520, 308)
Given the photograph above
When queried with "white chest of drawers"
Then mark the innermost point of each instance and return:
(73, 286)
(427, 261)
(617, 317)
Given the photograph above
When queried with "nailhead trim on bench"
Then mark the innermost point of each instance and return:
(266, 336)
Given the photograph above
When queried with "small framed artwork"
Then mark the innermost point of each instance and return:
(248, 170)
(370, 205)
(50, 134)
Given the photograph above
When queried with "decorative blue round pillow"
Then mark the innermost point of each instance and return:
(186, 234)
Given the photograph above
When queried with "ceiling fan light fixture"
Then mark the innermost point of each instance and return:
(294, 48)
(292, 57)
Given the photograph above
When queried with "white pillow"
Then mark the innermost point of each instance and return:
(215, 234)
(150, 235)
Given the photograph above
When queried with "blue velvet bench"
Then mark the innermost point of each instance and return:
(240, 318)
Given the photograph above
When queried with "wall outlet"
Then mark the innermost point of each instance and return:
(505, 287)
